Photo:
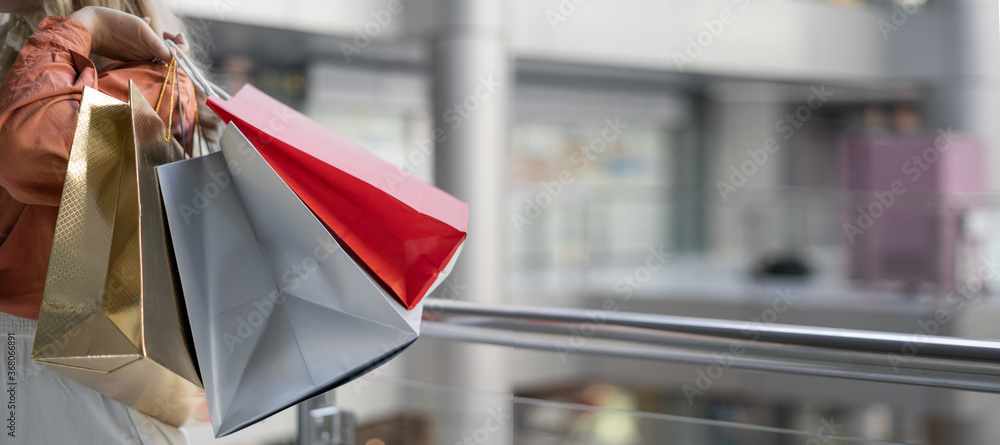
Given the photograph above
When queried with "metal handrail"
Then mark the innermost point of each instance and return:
(948, 362)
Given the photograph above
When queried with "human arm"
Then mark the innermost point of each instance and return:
(39, 98)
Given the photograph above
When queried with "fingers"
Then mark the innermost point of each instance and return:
(178, 39)
(155, 46)
(122, 36)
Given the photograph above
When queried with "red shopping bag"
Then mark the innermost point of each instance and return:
(405, 231)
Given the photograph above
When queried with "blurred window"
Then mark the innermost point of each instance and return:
(588, 191)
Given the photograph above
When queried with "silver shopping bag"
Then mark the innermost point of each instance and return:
(279, 312)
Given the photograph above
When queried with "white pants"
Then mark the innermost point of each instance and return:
(39, 406)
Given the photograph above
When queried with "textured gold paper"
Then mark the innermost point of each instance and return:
(111, 315)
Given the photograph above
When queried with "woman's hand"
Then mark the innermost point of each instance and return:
(176, 38)
(122, 36)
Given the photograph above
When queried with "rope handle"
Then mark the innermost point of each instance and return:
(171, 75)
(198, 82)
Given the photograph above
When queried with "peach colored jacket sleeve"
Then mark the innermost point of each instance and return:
(39, 103)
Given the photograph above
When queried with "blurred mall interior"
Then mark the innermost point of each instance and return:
(768, 163)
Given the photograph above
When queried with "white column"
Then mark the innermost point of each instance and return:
(471, 83)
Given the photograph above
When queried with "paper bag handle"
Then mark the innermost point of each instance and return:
(200, 82)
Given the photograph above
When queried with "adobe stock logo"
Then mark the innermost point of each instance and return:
(460, 111)
(786, 128)
(913, 169)
(722, 361)
(291, 279)
(563, 12)
(581, 158)
(364, 34)
(901, 13)
(203, 197)
(697, 44)
(496, 420)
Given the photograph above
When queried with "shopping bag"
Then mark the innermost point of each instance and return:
(405, 231)
(279, 311)
(111, 315)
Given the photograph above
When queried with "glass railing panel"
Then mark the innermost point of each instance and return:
(407, 412)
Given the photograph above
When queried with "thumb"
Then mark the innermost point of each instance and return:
(159, 49)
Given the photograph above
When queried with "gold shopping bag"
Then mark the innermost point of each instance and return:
(112, 315)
